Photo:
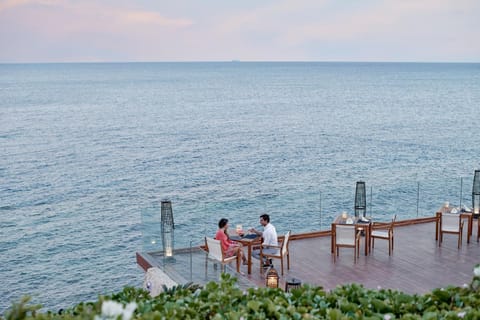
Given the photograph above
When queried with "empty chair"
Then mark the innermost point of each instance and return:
(478, 230)
(346, 236)
(383, 231)
(280, 254)
(215, 252)
(451, 223)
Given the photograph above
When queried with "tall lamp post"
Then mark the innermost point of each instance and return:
(360, 200)
(167, 228)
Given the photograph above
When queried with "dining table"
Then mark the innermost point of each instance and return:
(248, 240)
(360, 225)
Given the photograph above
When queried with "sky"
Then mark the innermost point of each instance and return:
(247, 30)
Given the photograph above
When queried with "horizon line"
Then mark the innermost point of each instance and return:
(239, 61)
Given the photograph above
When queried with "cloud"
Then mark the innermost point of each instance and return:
(392, 18)
(251, 30)
(56, 17)
(391, 29)
(88, 10)
(291, 21)
(7, 4)
(152, 18)
(80, 30)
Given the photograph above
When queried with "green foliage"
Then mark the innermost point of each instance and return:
(224, 300)
(21, 310)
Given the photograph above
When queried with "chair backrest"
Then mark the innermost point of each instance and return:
(285, 243)
(214, 248)
(451, 221)
(345, 234)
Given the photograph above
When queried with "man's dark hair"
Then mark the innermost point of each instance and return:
(265, 217)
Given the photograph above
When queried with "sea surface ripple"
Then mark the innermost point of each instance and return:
(87, 148)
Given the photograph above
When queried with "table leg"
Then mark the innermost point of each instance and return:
(367, 239)
(470, 222)
(249, 258)
(332, 236)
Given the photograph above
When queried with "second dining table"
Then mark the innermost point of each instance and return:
(359, 226)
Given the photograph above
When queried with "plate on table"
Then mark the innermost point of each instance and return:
(364, 220)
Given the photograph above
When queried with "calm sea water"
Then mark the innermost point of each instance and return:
(86, 148)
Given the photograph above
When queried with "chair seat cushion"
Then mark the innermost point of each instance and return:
(230, 259)
(346, 242)
(450, 229)
(380, 233)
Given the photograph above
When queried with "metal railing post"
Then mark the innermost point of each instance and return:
(418, 195)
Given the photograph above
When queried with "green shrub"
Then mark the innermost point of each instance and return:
(224, 300)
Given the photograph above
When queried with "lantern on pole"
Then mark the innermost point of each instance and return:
(167, 228)
(360, 200)
(272, 278)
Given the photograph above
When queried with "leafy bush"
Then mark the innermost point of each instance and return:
(224, 300)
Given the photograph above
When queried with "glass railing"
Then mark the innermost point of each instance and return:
(151, 229)
(304, 208)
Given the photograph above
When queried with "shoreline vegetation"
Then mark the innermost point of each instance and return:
(224, 300)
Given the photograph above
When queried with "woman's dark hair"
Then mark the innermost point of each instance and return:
(222, 223)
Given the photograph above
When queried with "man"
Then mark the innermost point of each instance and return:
(269, 236)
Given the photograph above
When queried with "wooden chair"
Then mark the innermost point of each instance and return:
(282, 252)
(383, 231)
(478, 230)
(346, 236)
(215, 252)
(451, 223)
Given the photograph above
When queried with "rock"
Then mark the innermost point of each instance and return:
(155, 279)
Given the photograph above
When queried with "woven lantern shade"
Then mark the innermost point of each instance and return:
(167, 228)
(360, 200)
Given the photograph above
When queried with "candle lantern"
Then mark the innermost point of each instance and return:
(360, 200)
(167, 228)
(476, 194)
(272, 278)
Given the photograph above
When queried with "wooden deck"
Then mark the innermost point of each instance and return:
(417, 264)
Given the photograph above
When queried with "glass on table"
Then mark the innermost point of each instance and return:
(239, 229)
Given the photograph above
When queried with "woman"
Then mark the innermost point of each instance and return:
(229, 247)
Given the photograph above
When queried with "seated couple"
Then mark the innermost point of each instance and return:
(231, 248)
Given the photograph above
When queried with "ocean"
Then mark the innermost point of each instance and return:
(87, 149)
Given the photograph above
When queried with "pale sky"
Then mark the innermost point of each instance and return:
(246, 30)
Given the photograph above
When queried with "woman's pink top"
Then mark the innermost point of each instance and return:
(223, 240)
